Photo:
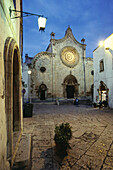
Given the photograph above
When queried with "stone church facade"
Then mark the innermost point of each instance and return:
(62, 71)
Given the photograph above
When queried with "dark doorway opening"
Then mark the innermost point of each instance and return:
(42, 90)
(42, 95)
(92, 91)
(15, 92)
(70, 87)
(70, 91)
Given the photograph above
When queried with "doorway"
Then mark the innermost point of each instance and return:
(103, 92)
(13, 100)
(70, 87)
(42, 90)
(70, 91)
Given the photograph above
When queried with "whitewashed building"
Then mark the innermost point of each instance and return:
(11, 117)
(103, 71)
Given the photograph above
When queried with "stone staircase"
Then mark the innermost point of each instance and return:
(62, 101)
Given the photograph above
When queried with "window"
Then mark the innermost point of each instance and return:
(42, 69)
(14, 2)
(101, 65)
(92, 72)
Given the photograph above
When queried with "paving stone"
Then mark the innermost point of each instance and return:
(88, 162)
(43, 152)
(91, 143)
(107, 167)
(109, 161)
(42, 163)
(110, 153)
(39, 143)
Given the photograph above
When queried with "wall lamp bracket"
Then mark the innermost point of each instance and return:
(41, 19)
(23, 14)
(107, 48)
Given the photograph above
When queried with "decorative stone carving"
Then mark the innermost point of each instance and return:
(69, 56)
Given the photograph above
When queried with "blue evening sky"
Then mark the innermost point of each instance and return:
(89, 19)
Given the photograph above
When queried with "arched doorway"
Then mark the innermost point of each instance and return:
(15, 91)
(70, 87)
(70, 90)
(13, 95)
(92, 91)
(42, 91)
(103, 92)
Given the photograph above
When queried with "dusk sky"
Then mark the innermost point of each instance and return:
(89, 19)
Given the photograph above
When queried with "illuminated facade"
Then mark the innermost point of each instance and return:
(62, 71)
(103, 71)
(11, 44)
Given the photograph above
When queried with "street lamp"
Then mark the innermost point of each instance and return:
(29, 87)
(41, 19)
(101, 43)
(29, 72)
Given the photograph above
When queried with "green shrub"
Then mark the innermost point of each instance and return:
(63, 134)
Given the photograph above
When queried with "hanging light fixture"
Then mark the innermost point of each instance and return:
(41, 19)
(42, 23)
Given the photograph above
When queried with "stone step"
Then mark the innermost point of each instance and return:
(23, 155)
(83, 101)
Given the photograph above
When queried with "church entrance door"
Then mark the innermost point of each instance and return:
(42, 90)
(70, 87)
(42, 95)
(70, 91)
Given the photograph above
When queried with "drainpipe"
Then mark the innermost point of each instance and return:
(52, 39)
(84, 48)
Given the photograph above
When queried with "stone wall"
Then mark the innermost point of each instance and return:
(8, 28)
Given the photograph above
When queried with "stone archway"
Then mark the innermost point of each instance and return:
(70, 87)
(42, 91)
(13, 97)
(103, 91)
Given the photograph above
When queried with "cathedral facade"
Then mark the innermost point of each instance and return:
(62, 71)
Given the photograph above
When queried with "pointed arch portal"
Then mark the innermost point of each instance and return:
(42, 91)
(70, 87)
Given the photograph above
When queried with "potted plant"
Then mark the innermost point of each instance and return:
(63, 134)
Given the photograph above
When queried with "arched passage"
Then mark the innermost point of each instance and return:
(103, 91)
(70, 87)
(13, 97)
(92, 91)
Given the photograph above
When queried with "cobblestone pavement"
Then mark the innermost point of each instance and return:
(91, 144)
